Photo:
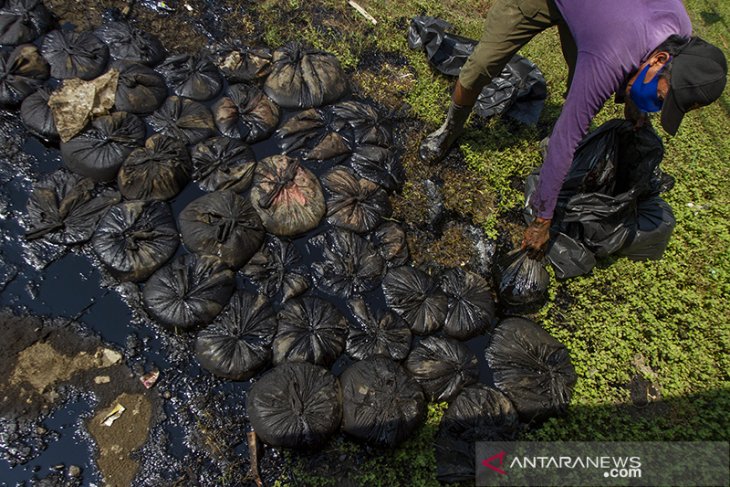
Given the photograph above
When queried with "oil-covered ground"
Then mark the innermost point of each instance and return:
(648, 339)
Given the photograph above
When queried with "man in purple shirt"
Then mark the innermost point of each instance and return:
(640, 49)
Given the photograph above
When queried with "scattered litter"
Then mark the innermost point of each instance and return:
(362, 12)
(102, 379)
(114, 415)
(110, 357)
(150, 378)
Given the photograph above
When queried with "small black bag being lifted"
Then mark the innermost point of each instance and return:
(23, 21)
(442, 366)
(295, 405)
(135, 238)
(519, 90)
(523, 281)
(381, 403)
(531, 367)
(74, 54)
(479, 413)
(188, 292)
(99, 151)
(238, 343)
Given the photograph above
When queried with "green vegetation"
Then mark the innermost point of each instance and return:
(661, 327)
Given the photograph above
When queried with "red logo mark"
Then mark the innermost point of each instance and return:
(488, 462)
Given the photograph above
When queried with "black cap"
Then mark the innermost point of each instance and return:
(698, 76)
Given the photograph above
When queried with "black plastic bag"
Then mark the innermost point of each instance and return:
(99, 151)
(245, 64)
(379, 165)
(381, 403)
(479, 413)
(22, 72)
(654, 226)
(305, 78)
(354, 204)
(287, 196)
(188, 292)
(522, 280)
(315, 134)
(417, 297)
(295, 406)
(37, 116)
(74, 54)
(442, 366)
(238, 343)
(519, 90)
(157, 171)
(183, 119)
(310, 330)
(277, 270)
(389, 239)
(471, 307)
(192, 76)
(368, 124)
(64, 209)
(569, 257)
(222, 224)
(246, 113)
(23, 21)
(223, 163)
(376, 333)
(531, 367)
(128, 43)
(139, 89)
(135, 238)
(350, 265)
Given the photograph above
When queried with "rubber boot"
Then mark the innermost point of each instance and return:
(437, 144)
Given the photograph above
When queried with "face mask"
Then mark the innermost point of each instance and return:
(644, 95)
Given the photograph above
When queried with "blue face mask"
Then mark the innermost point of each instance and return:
(644, 95)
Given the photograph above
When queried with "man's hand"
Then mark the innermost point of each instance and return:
(536, 236)
(634, 115)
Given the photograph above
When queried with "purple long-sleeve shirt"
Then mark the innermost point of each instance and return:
(613, 38)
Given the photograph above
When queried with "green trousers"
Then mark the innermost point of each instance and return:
(510, 25)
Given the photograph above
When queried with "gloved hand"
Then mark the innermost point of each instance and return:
(536, 237)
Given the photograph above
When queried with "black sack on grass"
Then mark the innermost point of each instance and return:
(310, 330)
(316, 134)
(379, 165)
(64, 209)
(128, 43)
(654, 226)
(376, 332)
(22, 72)
(183, 119)
(157, 171)
(522, 280)
(442, 366)
(531, 367)
(135, 238)
(569, 257)
(277, 268)
(305, 78)
(368, 124)
(244, 64)
(99, 151)
(354, 204)
(295, 406)
(238, 343)
(74, 54)
(389, 239)
(223, 163)
(222, 224)
(37, 116)
(417, 297)
(287, 196)
(479, 413)
(140, 89)
(188, 292)
(471, 307)
(23, 21)
(192, 76)
(350, 265)
(519, 90)
(381, 403)
(246, 113)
